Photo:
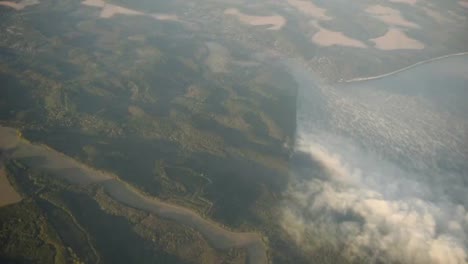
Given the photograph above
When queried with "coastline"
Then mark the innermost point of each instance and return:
(361, 79)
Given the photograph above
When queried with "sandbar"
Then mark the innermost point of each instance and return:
(8, 194)
(216, 235)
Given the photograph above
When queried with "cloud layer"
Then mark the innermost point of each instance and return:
(379, 183)
(370, 207)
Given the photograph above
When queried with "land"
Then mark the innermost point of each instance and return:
(159, 118)
(182, 105)
(8, 194)
(395, 39)
(275, 22)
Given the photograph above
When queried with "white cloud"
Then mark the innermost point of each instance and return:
(387, 175)
(352, 206)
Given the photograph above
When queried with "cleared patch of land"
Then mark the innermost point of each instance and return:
(333, 38)
(396, 39)
(275, 22)
(110, 10)
(390, 16)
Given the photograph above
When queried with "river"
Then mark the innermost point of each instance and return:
(60, 165)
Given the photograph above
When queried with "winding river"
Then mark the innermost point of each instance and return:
(60, 165)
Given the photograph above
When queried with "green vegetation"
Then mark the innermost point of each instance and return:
(58, 223)
(26, 236)
(137, 99)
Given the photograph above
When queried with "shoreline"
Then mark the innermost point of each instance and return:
(361, 79)
(8, 194)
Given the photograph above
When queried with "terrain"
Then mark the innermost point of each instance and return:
(206, 132)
